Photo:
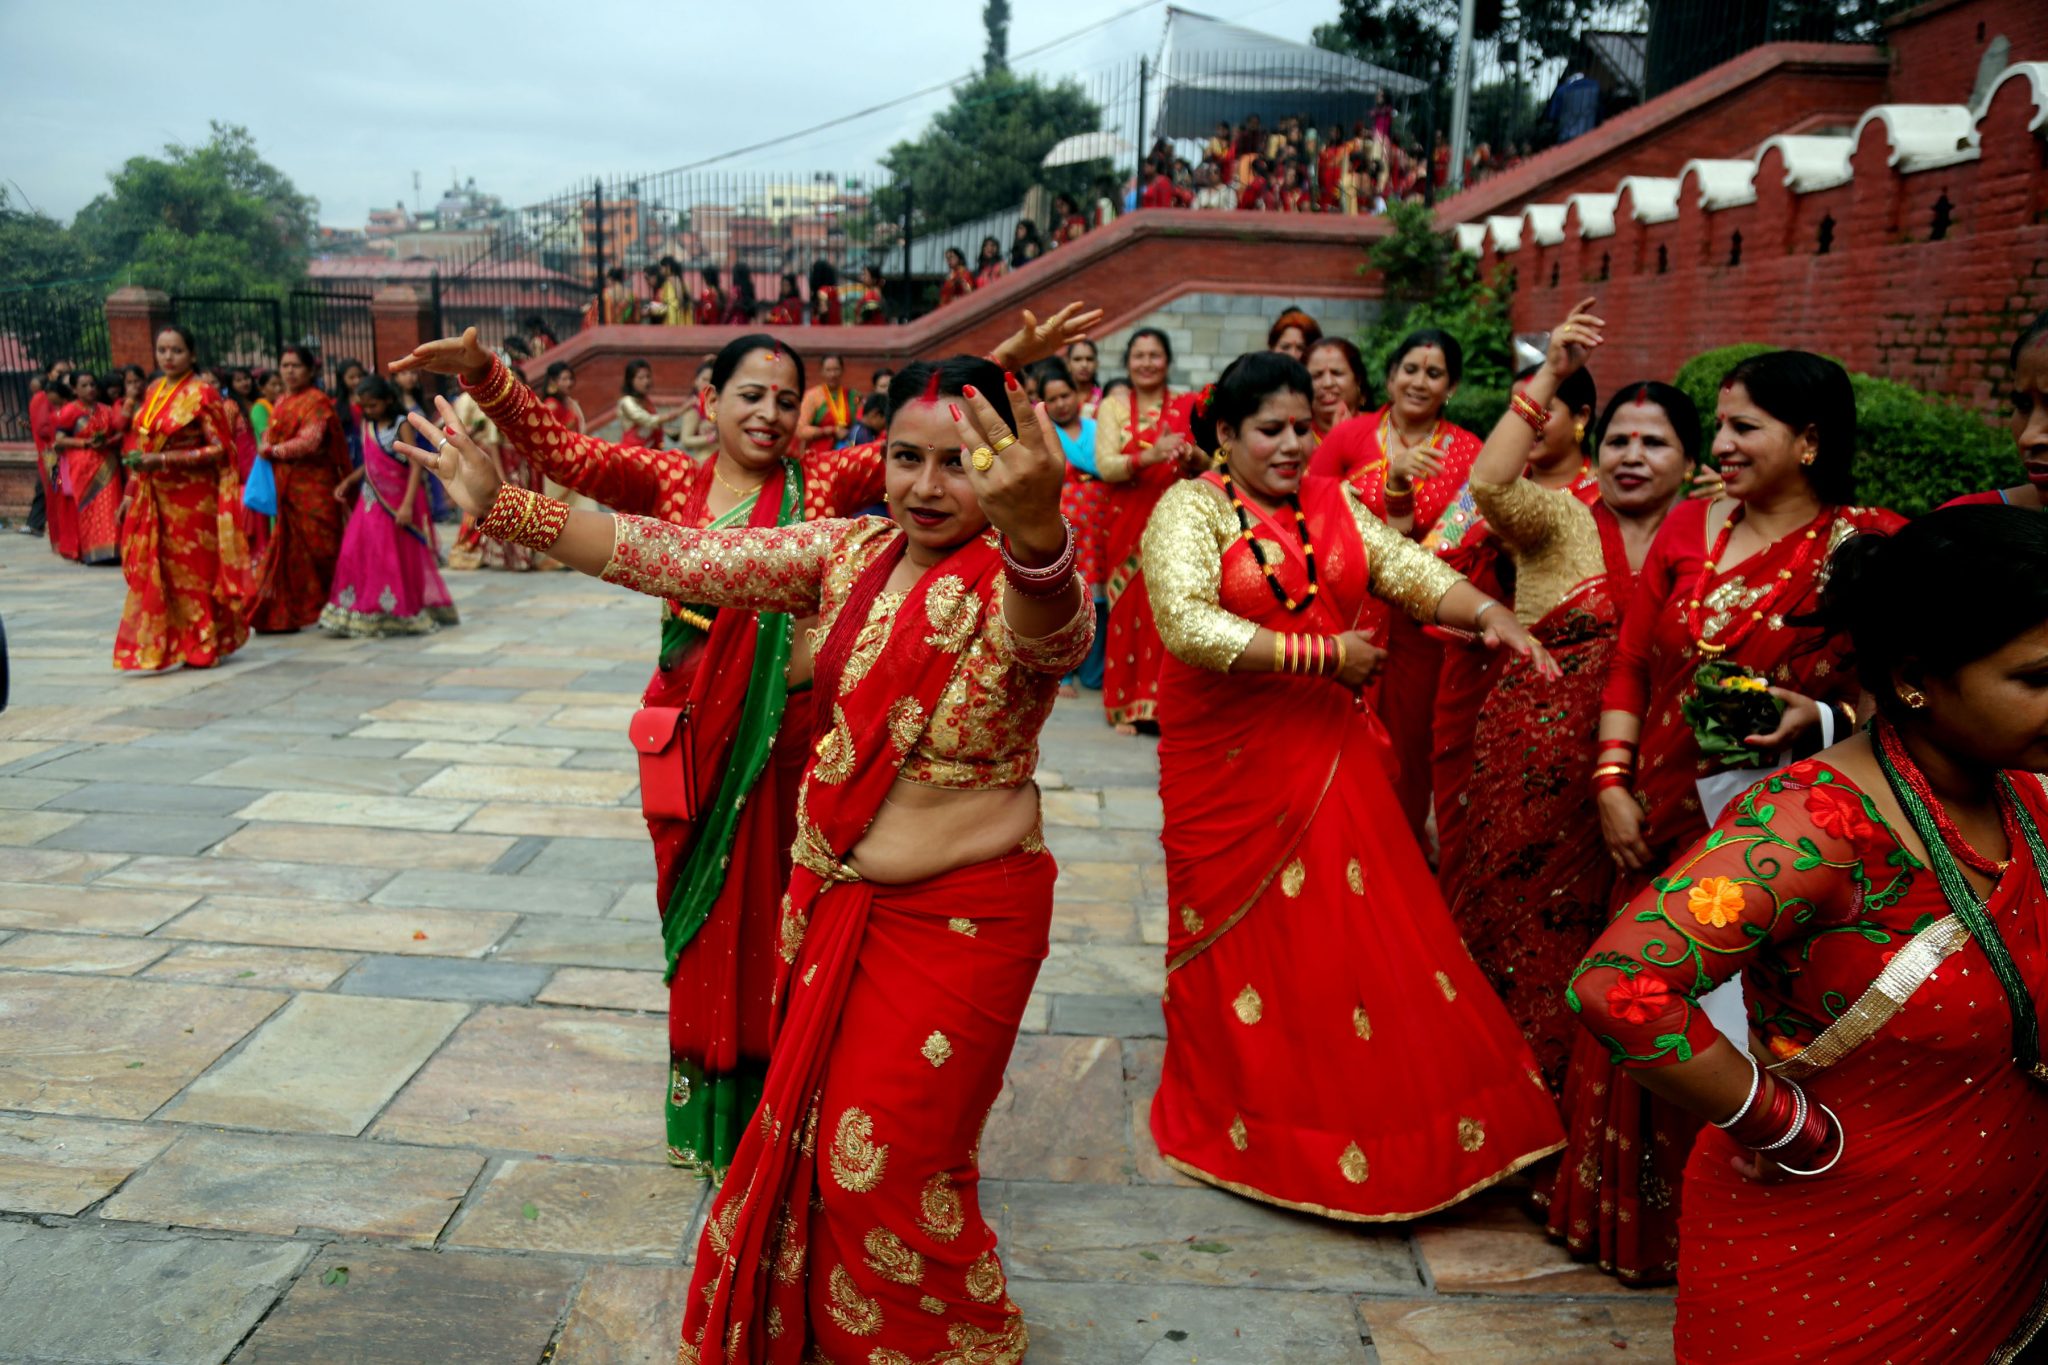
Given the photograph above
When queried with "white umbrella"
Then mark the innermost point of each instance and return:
(1080, 147)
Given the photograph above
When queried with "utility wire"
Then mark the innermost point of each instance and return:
(906, 99)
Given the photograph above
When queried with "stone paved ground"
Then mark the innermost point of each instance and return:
(331, 1030)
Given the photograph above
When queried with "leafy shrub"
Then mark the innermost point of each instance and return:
(1430, 283)
(1914, 451)
(1476, 409)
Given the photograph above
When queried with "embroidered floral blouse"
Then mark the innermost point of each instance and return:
(1184, 545)
(984, 732)
(1802, 886)
(669, 484)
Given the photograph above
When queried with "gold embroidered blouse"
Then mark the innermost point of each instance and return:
(983, 732)
(1113, 432)
(1552, 536)
(1183, 549)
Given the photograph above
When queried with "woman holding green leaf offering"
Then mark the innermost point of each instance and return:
(726, 724)
(1876, 1185)
(1724, 584)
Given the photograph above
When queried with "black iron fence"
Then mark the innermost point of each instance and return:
(250, 330)
(42, 324)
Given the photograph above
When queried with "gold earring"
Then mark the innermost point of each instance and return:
(1223, 453)
(1808, 457)
(1914, 698)
(1579, 432)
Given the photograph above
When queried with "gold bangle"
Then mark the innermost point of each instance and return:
(1342, 660)
(1279, 657)
(1612, 770)
(502, 373)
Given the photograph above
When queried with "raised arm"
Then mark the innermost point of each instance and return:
(841, 483)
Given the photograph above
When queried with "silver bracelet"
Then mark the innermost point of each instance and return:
(1841, 1146)
(1479, 616)
(1798, 1119)
(1756, 1084)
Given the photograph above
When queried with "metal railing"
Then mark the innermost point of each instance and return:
(65, 320)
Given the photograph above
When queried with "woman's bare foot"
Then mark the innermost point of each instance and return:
(1124, 727)
(1068, 689)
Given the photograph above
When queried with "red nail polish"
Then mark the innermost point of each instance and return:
(1011, 380)
(954, 410)
(969, 390)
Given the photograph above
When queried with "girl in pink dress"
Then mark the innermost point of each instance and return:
(388, 579)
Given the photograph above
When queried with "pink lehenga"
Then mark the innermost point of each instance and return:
(388, 578)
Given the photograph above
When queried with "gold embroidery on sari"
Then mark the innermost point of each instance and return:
(882, 1355)
(793, 927)
(835, 751)
(856, 1314)
(974, 1346)
(1471, 1134)
(788, 1263)
(1353, 1166)
(960, 925)
(939, 1210)
(888, 1257)
(1354, 877)
(933, 1304)
(906, 723)
(1034, 842)
(867, 646)
(809, 1145)
(1443, 983)
(774, 1324)
(985, 1278)
(1361, 1023)
(953, 611)
(1238, 1137)
(1191, 919)
(857, 1159)
(937, 1050)
(1249, 1007)
(1291, 878)
(718, 1230)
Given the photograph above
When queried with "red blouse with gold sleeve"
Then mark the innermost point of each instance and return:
(983, 732)
(668, 484)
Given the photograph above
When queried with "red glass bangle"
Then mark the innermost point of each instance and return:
(1605, 781)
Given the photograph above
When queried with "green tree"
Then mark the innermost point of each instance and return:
(1428, 282)
(35, 248)
(216, 218)
(995, 16)
(982, 152)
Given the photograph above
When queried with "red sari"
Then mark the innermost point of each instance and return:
(718, 878)
(958, 284)
(181, 548)
(825, 306)
(60, 512)
(1926, 1241)
(849, 1226)
(1617, 1195)
(91, 476)
(1536, 872)
(787, 312)
(308, 453)
(1330, 1044)
(1356, 451)
(1130, 680)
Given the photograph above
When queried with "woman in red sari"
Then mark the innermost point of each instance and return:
(959, 281)
(1724, 583)
(60, 512)
(826, 309)
(747, 675)
(87, 441)
(918, 911)
(1874, 1189)
(1069, 224)
(1535, 875)
(2029, 398)
(1330, 1044)
(1337, 371)
(788, 310)
(181, 544)
(1408, 465)
(1141, 450)
(308, 454)
(991, 266)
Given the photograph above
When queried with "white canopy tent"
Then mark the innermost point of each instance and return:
(1212, 72)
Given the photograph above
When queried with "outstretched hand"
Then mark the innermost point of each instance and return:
(471, 475)
(1498, 629)
(1035, 340)
(463, 355)
(1575, 339)
(1020, 490)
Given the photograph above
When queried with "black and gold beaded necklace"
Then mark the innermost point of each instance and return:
(1308, 549)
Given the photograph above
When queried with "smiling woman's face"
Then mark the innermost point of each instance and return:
(755, 412)
(926, 478)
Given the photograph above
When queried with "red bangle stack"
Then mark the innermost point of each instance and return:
(1789, 1127)
(1049, 581)
(1527, 408)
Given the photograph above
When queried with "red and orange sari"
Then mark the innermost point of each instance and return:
(1356, 451)
(1330, 1044)
(1617, 1196)
(1130, 680)
(60, 513)
(308, 454)
(719, 877)
(1926, 1241)
(1536, 874)
(91, 477)
(181, 548)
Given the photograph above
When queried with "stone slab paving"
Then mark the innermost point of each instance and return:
(331, 1028)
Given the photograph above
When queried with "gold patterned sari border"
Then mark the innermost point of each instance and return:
(1342, 1215)
(1906, 973)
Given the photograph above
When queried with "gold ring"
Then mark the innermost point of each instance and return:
(984, 459)
(1003, 443)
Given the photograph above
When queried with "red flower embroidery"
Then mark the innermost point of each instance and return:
(1638, 999)
(1837, 812)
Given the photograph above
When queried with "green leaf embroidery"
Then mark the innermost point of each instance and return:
(1676, 1044)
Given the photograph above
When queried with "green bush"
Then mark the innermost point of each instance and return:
(1476, 408)
(1428, 282)
(1913, 451)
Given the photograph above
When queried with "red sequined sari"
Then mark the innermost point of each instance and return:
(1927, 1240)
(1617, 1196)
(181, 548)
(1133, 655)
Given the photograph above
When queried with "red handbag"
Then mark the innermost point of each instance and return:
(668, 767)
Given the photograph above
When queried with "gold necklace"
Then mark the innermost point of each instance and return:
(741, 493)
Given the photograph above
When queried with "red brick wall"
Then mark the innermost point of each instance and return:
(1937, 48)
(1939, 315)
(1137, 265)
(1725, 112)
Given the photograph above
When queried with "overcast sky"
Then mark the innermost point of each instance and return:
(350, 99)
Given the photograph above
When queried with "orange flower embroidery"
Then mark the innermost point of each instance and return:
(1783, 1048)
(1638, 999)
(1715, 901)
